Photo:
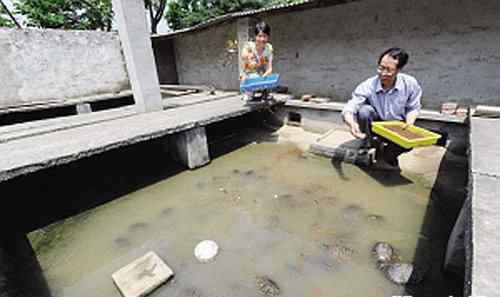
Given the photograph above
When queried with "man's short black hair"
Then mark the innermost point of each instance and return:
(396, 53)
(262, 27)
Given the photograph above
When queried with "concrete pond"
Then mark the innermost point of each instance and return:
(277, 212)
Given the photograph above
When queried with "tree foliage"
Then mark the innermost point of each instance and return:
(156, 10)
(5, 20)
(186, 13)
(67, 14)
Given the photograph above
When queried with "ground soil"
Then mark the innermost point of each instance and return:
(404, 132)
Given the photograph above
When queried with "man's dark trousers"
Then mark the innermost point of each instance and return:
(365, 116)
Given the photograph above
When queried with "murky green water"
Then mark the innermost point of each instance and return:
(271, 209)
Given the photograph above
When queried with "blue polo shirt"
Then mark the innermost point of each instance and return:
(393, 104)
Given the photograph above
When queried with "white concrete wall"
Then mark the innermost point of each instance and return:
(201, 57)
(454, 48)
(44, 65)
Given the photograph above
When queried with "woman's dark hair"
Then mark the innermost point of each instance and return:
(262, 27)
(396, 53)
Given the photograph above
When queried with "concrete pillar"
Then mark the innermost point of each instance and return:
(244, 35)
(190, 147)
(83, 108)
(20, 272)
(137, 48)
(455, 251)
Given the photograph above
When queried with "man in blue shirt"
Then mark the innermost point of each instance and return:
(390, 95)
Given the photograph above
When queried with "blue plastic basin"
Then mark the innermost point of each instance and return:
(260, 83)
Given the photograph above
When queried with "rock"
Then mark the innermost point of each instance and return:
(206, 251)
(399, 273)
(267, 286)
(375, 218)
(306, 97)
(449, 107)
(383, 252)
(142, 276)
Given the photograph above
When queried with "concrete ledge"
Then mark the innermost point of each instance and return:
(338, 106)
(17, 131)
(485, 146)
(22, 155)
(65, 102)
(484, 259)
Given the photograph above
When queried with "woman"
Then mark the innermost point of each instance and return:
(257, 57)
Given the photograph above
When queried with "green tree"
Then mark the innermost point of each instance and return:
(156, 10)
(67, 14)
(5, 20)
(186, 13)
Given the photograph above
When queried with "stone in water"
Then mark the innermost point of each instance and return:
(206, 251)
(142, 276)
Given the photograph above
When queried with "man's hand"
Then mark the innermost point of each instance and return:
(411, 117)
(356, 132)
(351, 122)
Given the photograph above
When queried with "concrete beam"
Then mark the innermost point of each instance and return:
(138, 51)
(190, 147)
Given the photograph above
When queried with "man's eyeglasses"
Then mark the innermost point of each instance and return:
(382, 69)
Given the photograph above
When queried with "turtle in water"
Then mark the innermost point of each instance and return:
(352, 213)
(404, 273)
(398, 273)
(383, 252)
(267, 286)
(375, 218)
(339, 251)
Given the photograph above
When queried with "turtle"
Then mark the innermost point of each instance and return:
(267, 286)
(399, 273)
(375, 218)
(383, 252)
(339, 251)
(352, 213)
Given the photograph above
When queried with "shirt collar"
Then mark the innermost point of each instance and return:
(397, 86)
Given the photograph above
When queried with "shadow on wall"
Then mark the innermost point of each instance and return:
(447, 197)
(20, 272)
(59, 192)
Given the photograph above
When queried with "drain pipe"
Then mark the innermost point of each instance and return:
(10, 14)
